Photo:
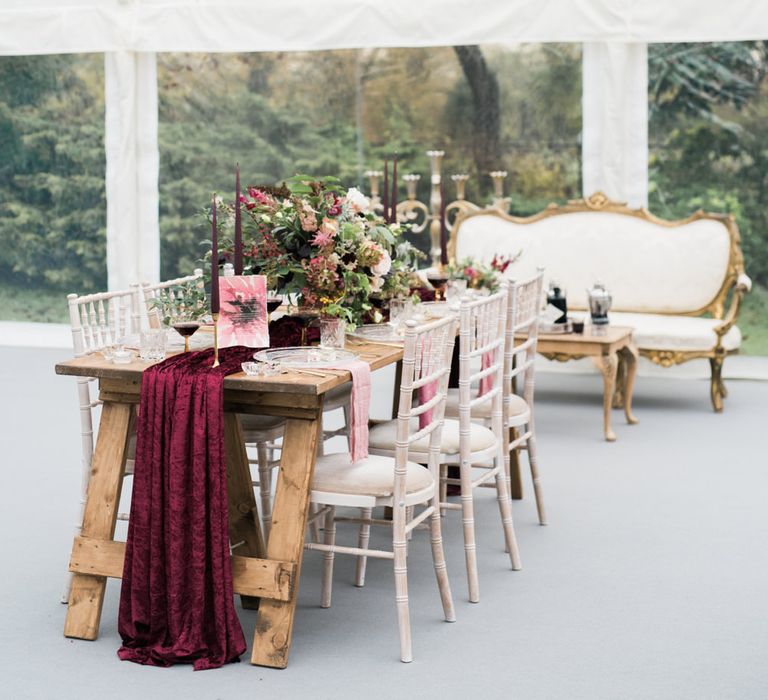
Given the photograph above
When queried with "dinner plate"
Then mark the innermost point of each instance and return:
(305, 356)
(382, 332)
(435, 309)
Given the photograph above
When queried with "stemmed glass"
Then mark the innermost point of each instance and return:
(185, 324)
(273, 303)
(438, 279)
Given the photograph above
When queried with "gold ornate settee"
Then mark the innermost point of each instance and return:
(678, 283)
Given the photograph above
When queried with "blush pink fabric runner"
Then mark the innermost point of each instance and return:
(360, 408)
(176, 601)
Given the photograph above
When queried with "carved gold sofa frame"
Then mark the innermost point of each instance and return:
(724, 306)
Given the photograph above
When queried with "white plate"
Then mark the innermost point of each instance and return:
(435, 309)
(382, 332)
(305, 356)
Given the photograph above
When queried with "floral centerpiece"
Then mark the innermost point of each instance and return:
(321, 245)
(480, 275)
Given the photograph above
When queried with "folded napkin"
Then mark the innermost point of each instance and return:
(360, 409)
(427, 391)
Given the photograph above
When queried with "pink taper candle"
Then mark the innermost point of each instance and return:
(214, 261)
(238, 226)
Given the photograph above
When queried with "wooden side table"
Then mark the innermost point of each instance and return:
(612, 351)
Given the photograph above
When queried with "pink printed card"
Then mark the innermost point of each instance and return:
(243, 316)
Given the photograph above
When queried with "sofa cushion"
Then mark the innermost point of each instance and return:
(660, 332)
(647, 266)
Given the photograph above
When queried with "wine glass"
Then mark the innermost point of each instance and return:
(438, 280)
(185, 324)
(273, 303)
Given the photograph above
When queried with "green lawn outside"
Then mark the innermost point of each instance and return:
(20, 304)
(753, 321)
(25, 304)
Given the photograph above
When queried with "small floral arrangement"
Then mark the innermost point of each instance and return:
(478, 274)
(186, 300)
(319, 241)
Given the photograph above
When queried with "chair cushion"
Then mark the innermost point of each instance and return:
(662, 332)
(251, 423)
(382, 436)
(517, 405)
(374, 476)
(337, 397)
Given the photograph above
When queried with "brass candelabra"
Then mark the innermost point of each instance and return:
(423, 217)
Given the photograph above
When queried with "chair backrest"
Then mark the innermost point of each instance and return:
(481, 344)
(168, 291)
(524, 305)
(101, 319)
(427, 356)
(97, 321)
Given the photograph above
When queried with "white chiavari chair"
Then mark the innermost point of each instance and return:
(521, 335)
(394, 480)
(97, 321)
(475, 449)
(520, 356)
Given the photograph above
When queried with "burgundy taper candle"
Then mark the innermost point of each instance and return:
(238, 226)
(214, 261)
(385, 193)
(443, 227)
(393, 203)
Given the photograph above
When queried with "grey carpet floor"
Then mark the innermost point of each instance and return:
(651, 580)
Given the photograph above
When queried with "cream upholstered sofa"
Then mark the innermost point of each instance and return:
(678, 283)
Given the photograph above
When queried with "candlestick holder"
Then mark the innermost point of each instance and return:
(215, 339)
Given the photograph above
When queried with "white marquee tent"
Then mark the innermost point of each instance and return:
(130, 33)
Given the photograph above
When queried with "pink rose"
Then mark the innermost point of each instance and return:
(382, 267)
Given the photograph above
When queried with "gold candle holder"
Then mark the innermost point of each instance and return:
(215, 340)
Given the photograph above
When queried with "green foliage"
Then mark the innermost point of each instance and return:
(52, 203)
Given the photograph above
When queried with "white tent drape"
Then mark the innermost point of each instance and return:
(76, 26)
(614, 115)
(133, 231)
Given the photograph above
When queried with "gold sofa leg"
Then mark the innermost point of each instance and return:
(717, 388)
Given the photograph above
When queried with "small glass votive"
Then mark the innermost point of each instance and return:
(252, 369)
(332, 333)
(122, 356)
(152, 344)
(455, 290)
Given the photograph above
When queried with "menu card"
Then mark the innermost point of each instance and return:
(243, 316)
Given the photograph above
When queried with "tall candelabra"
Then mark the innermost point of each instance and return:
(423, 217)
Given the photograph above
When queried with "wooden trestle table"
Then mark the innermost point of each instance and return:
(266, 577)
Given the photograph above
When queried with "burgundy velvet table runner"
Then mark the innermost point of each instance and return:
(176, 602)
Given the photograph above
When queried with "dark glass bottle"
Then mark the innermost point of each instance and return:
(556, 297)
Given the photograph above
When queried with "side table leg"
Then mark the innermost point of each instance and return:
(607, 364)
(629, 356)
(86, 597)
(244, 523)
(274, 625)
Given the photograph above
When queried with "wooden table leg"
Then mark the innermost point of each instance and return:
(607, 364)
(274, 625)
(516, 480)
(244, 523)
(86, 597)
(629, 360)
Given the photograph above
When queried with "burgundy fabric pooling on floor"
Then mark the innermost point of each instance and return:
(176, 602)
